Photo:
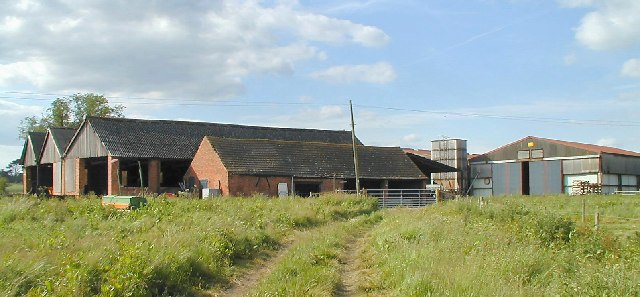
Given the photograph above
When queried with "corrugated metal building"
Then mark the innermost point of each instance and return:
(538, 166)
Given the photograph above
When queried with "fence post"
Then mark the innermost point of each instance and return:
(584, 208)
(597, 220)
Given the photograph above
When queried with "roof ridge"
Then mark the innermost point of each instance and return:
(578, 145)
(280, 141)
(582, 145)
(212, 123)
(303, 142)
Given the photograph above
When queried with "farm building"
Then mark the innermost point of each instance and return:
(121, 156)
(229, 166)
(30, 160)
(51, 162)
(537, 166)
(422, 159)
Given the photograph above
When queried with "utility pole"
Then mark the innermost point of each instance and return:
(355, 151)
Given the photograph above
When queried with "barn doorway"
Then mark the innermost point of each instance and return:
(96, 176)
(305, 189)
(172, 172)
(32, 179)
(45, 176)
(405, 184)
(131, 170)
(526, 185)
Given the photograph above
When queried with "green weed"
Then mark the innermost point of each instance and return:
(171, 247)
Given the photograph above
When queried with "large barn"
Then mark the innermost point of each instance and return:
(229, 166)
(538, 166)
(110, 156)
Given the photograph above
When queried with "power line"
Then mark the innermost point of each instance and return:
(619, 123)
(154, 101)
(266, 103)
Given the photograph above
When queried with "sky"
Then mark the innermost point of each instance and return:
(488, 71)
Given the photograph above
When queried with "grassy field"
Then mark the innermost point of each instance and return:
(618, 214)
(521, 246)
(76, 247)
(334, 245)
(14, 188)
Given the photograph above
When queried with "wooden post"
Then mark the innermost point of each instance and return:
(141, 182)
(355, 150)
(584, 210)
(597, 220)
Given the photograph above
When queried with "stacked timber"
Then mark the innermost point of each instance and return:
(583, 187)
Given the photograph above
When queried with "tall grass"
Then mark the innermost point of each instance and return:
(618, 214)
(503, 249)
(75, 247)
(14, 188)
(312, 267)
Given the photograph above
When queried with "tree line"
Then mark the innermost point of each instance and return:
(69, 112)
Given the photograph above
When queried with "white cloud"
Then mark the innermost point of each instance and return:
(319, 114)
(63, 25)
(379, 73)
(411, 138)
(631, 68)
(322, 28)
(613, 25)
(331, 112)
(11, 24)
(320, 117)
(607, 142)
(33, 71)
(181, 49)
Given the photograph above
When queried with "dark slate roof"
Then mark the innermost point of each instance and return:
(428, 166)
(62, 137)
(37, 140)
(135, 138)
(312, 159)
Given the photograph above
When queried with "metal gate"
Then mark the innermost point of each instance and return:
(403, 197)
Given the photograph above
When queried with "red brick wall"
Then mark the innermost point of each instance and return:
(207, 165)
(247, 185)
(113, 165)
(154, 176)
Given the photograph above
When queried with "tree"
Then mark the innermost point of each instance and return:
(70, 111)
(59, 113)
(93, 105)
(14, 169)
(31, 124)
